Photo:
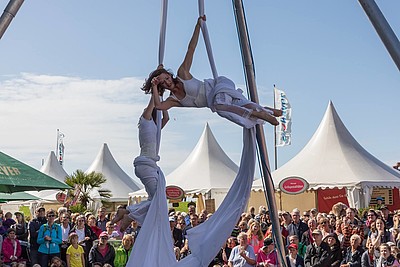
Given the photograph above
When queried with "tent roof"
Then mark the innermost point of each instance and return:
(207, 167)
(333, 158)
(53, 168)
(118, 182)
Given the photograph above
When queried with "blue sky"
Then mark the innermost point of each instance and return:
(77, 66)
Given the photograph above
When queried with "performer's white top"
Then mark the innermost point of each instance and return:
(148, 139)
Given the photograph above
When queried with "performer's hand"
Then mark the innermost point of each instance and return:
(200, 19)
(155, 81)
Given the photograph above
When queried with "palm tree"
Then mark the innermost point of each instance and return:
(86, 182)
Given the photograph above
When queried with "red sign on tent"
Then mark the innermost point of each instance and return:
(293, 185)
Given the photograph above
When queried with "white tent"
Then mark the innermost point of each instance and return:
(207, 170)
(333, 158)
(52, 168)
(118, 182)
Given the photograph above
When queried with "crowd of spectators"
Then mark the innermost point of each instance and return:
(340, 238)
(63, 238)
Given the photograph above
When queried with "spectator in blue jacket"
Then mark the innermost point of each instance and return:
(49, 239)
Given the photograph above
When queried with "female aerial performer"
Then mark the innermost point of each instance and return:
(146, 168)
(220, 94)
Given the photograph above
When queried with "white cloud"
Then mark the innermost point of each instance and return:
(92, 112)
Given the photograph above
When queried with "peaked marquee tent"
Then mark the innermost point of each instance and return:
(207, 170)
(52, 168)
(118, 182)
(333, 158)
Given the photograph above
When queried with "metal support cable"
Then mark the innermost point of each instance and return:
(9, 13)
(262, 146)
(163, 27)
(207, 42)
(383, 29)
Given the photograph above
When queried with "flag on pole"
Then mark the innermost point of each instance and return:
(284, 129)
(60, 148)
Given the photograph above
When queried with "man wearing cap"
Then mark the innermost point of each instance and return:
(318, 253)
(267, 255)
(102, 252)
(294, 259)
(379, 202)
(33, 228)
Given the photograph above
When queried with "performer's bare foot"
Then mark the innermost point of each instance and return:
(265, 116)
(119, 215)
(125, 222)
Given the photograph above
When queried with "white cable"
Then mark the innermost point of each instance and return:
(207, 40)
(163, 26)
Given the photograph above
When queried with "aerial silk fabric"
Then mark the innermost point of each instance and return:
(223, 85)
(154, 247)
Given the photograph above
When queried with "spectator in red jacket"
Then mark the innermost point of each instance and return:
(11, 248)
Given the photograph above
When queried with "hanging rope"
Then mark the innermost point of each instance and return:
(207, 40)
(163, 27)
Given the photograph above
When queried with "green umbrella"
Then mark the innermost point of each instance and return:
(4, 197)
(16, 176)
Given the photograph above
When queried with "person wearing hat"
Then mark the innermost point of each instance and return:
(301, 248)
(267, 255)
(11, 248)
(293, 259)
(379, 202)
(33, 229)
(336, 251)
(102, 252)
(317, 253)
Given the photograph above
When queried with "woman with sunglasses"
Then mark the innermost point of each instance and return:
(324, 226)
(49, 239)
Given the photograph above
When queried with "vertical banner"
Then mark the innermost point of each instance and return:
(284, 129)
(329, 197)
(60, 147)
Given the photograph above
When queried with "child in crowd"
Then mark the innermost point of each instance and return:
(75, 252)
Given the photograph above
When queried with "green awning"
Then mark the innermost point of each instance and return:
(16, 176)
(5, 197)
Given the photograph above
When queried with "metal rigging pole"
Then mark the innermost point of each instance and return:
(8, 14)
(383, 29)
(262, 145)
